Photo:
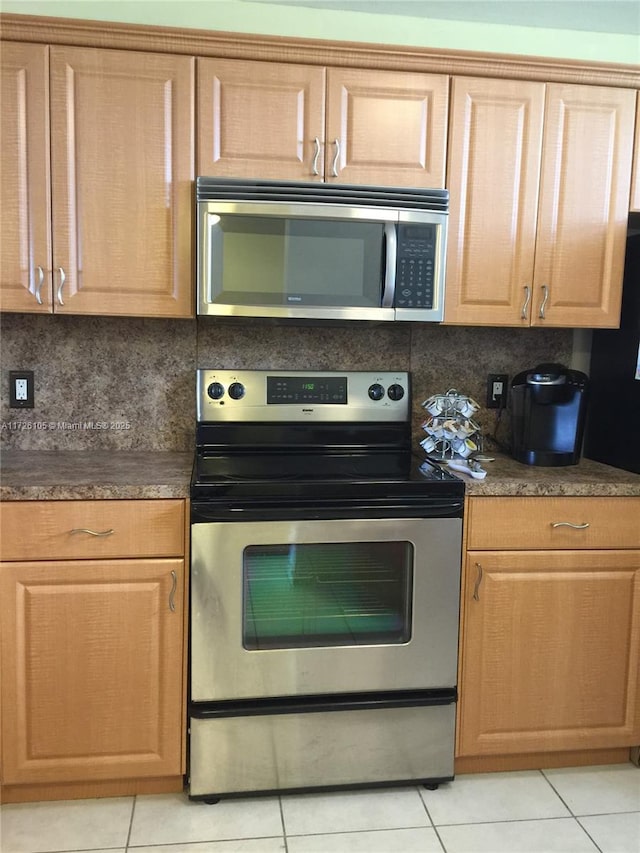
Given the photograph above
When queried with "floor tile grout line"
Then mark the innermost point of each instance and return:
(589, 836)
(284, 828)
(439, 837)
(425, 806)
(431, 821)
(356, 831)
(519, 820)
(557, 793)
(133, 811)
(608, 814)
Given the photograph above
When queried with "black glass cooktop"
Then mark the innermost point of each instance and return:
(307, 474)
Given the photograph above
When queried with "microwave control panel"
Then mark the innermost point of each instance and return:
(415, 266)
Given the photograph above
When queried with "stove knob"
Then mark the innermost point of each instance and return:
(395, 392)
(215, 390)
(236, 390)
(376, 391)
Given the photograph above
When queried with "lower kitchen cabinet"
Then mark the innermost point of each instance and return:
(550, 640)
(93, 646)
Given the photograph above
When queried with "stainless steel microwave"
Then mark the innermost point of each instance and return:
(320, 251)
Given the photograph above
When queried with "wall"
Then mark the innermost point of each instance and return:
(272, 19)
(90, 370)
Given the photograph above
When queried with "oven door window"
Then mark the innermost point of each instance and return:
(337, 594)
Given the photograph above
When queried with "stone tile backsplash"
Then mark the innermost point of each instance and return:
(94, 371)
(129, 384)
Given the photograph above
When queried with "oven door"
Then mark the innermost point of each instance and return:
(304, 607)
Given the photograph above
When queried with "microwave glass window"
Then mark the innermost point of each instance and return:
(333, 594)
(279, 261)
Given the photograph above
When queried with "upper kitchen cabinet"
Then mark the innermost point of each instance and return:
(386, 127)
(495, 146)
(539, 178)
(121, 165)
(584, 206)
(260, 120)
(25, 189)
(635, 181)
(268, 120)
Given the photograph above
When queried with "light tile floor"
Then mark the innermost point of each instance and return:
(575, 810)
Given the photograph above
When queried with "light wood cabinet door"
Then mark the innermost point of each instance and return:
(386, 127)
(552, 523)
(537, 238)
(79, 530)
(267, 120)
(635, 179)
(122, 171)
(584, 206)
(260, 120)
(92, 657)
(25, 251)
(551, 651)
(495, 145)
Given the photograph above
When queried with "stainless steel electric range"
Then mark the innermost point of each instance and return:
(325, 574)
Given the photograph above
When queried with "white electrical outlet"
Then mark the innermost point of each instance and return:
(22, 389)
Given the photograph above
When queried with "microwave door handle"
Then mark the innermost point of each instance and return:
(212, 226)
(389, 288)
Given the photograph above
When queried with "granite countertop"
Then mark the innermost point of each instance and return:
(124, 474)
(506, 477)
(30, 475)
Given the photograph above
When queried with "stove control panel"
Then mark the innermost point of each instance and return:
(319, 390)
(292, 395)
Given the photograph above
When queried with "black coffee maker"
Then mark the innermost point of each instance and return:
(548, 405)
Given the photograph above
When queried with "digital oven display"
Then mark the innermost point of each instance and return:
(307, 389)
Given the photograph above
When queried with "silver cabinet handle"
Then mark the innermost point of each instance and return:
(63, 278)
(527, 300)
(334, 165)
(476, 588)
(109, 532)
(582, 526)
(174, 586)
(543, 305)
(39, 285)
(316, 156)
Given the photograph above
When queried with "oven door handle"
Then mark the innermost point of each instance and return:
(299, 510)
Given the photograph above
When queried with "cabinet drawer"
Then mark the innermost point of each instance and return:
(528, 523)
(54, 530)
